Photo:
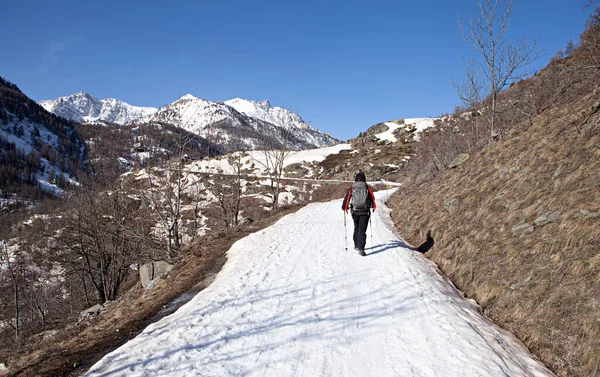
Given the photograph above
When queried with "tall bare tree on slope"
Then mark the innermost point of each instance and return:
(274, 158)
(499, 61)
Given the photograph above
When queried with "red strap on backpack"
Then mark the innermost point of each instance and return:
(348, 199)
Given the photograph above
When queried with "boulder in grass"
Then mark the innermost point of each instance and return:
(154, 270)
(458, 160)
(524, 228)
(90, 312)
(546, 218)
(451, 203)
(589, 214)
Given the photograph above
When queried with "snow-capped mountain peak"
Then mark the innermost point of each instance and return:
(275, 115)
(192, 113)
(234, 124)
(83, 107)
(188, 97)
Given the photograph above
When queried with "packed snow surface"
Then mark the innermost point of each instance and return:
(291, 301)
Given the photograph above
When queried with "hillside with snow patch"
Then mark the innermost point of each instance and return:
(409, 126)
(39, 151)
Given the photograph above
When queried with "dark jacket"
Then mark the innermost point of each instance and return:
(370, 198)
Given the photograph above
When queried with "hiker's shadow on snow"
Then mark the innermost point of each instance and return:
(397, 245)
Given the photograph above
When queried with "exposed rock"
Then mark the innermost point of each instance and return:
(3, 367)
(46, 334)
(524, 282)
(525, 228)
(90, 312)
(246, 220)
(546, 218)
(295, 170)
(154, 270)
(152, 284)
(377, 129)
(451, 203)
(400, 132)
(588, 214)
(458, 160)
(49, 334)
(559, 170)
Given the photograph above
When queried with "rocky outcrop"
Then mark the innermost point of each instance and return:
(90, 312)
(152, 271)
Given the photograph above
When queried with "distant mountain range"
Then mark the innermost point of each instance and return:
(84, 108)
(236, 124)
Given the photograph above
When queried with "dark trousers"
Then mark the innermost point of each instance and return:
(360, 230)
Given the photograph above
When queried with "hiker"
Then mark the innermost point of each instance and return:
(360, 200)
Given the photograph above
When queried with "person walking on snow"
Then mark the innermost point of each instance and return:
(360, 200)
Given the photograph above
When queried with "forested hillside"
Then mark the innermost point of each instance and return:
(39, 152)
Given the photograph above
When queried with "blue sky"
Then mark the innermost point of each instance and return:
(342, 65)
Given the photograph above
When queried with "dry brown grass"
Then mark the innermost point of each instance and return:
(329, 191)
(72, 351)
(542, 286)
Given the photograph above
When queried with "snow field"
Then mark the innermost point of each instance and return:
(260, 162)
(420, 124)
(291, 301)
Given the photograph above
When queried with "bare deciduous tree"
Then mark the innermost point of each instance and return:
(499, 61)
(274, 158)
(274, 164)
(197, 195)
(164, 194)
(228, 189)
(590, 42)
(101, 238)
(13, 267)
(591, 3)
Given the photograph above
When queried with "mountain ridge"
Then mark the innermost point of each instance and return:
(237, 123)
(84, 107)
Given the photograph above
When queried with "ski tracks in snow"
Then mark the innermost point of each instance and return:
(290, 301)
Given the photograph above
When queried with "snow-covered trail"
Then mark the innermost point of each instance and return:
(290, 301)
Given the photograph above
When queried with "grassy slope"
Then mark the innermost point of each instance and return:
(544, 286)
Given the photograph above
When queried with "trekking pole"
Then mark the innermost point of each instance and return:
(345, 232)
(371, 226)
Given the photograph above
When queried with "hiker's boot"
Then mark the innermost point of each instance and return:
(361, 252)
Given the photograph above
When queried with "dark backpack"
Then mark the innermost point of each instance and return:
(360, 200)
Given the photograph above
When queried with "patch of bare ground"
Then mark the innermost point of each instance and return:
(517, 228)
(72, 351)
